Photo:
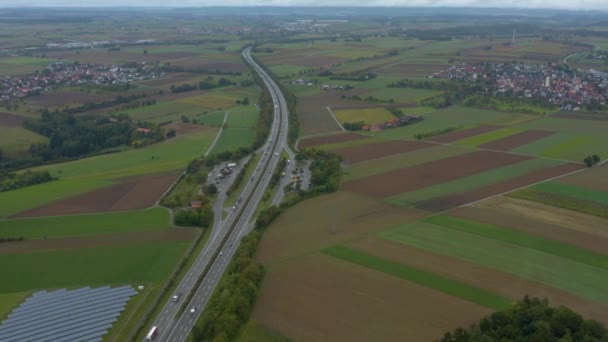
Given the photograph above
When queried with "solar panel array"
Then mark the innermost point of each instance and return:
(83, 314)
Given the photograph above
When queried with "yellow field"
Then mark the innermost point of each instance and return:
(210, 101)
(368, 115)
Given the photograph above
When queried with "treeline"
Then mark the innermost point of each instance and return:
(76, 136)
(510, 102)
(11, 181)
(199, 217)
(202, 85)
(105, 104)
(232, 303)
(369, 99)
(353, 126)
(531, 319)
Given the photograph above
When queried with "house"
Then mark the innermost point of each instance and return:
(143, 130)
(196, 204)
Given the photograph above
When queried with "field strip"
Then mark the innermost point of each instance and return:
(335, 118)
(520, 188)
(217, 137)
(498, 151)
(420, 277)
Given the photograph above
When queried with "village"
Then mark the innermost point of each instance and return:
(62, 74)
(558, 85)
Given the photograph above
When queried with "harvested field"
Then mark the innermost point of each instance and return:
(10, 120)
(72, 97)
(533, 227)
(171, 78)
(360, 153)
(560, 217)
(112, 240)
(197, 63)
(324, 221)
(435, 172)
(465, 133)
(516, 140)
(300, 58)
(447, 202)
(320, 298)
(330, 139)
(486, 278)
(133, 193)
(183, 128)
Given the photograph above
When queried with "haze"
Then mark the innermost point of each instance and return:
(557, 4)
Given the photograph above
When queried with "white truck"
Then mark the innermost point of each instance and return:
(152, 334)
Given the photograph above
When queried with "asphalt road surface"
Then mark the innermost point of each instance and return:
(227, 233)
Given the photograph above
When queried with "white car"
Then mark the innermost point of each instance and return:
(193, 310)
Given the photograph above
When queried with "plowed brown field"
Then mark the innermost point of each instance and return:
(451, 201)
(111, 240)
(10, 120)
(439, 171)
(516, 140)
(134, 193)
(319, 298)
(360, 153)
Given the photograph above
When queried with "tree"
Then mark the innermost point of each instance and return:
(171, 134)
(531, 319)
(588, 161)
(211, 189)
(596, 159)
(145, 52)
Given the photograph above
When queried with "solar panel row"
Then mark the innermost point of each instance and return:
(56, 310)
(68, 305)
(83, 314)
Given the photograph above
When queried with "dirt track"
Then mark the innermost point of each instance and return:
(516, 140)
(330, 139)
(360, 153)
(438, 171)
(134, 193)
(483, 277)
(451, 201)
(465, 133)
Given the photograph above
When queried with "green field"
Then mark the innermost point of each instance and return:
(18, 139)
(403, 95)
(514, 237)
(8, 301)
(577, 192)
(572, 276)
(368, 115)
(562, 201)
(418, 276)
(152, 262)
(85, 225)
(471, 182)
(488, 137)
(455, 116)
(240, 129)
(212, 119)
(88, 174)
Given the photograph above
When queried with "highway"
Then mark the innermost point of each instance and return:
(227, 233)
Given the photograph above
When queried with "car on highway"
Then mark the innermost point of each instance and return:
(177, 296)
(193, 310)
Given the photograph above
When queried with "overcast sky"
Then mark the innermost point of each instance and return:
(562, 4)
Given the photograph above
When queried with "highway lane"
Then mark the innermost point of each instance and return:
(171, 329)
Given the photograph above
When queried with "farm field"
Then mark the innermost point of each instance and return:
(368, 115)
(329, 139)
(378, 148)
(530, 263)
(86, 175)
(18, 139)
